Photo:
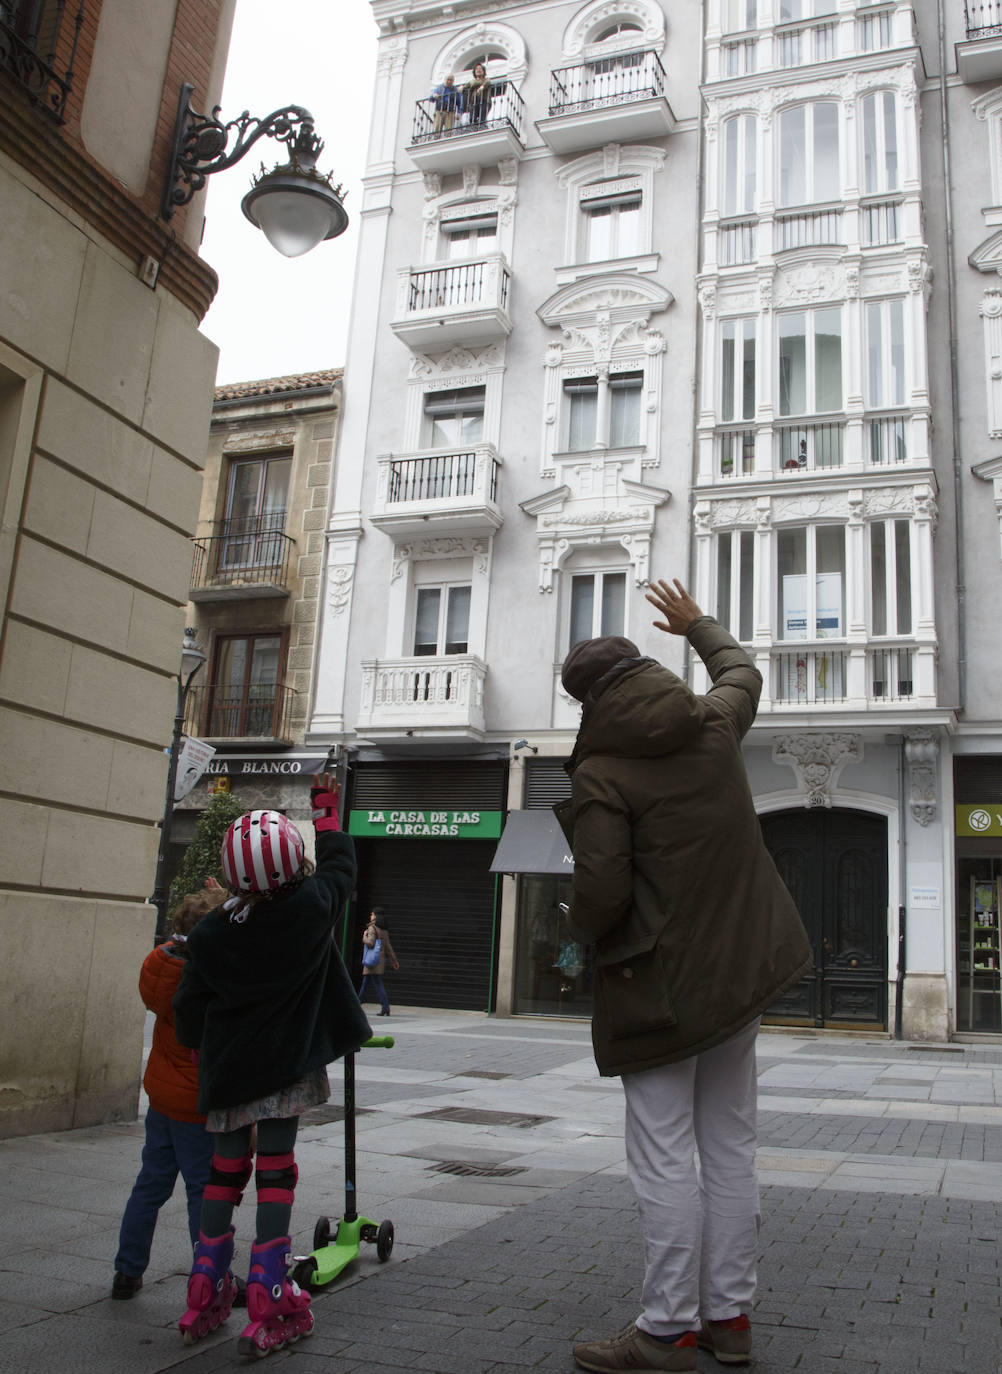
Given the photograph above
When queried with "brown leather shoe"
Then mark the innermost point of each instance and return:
(730, 1341)
(636, 1351)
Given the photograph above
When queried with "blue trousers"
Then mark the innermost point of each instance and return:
(376, 979)
(172, 1147)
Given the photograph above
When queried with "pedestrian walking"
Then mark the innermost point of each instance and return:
(695, 936)
(267, 1002)
(376, 950)
(176, 1139)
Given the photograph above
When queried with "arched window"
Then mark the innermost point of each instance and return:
(621, 29)
(738, 167)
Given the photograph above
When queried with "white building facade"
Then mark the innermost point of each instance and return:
(694, 293)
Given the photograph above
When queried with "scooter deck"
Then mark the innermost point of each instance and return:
(343, 1248)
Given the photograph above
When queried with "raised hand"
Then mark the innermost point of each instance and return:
(675, 604)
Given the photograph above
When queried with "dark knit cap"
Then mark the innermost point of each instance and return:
(591, 659)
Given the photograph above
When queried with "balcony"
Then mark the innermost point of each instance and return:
(438, 145)
(258, 711)
(38, 46)
(438, 491)
(246, 561)
(453, 303)
(615, 100)
(423, 695)
(980, 57)
(821, 674)
(808, 229)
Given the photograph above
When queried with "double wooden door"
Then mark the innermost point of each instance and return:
(835, 865)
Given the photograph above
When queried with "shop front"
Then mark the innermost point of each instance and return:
(425, 834)
(978, 841)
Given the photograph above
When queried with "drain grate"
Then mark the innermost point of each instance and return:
(320, 1116)
(467, 1170)
(480, 1073)
(477, 1116)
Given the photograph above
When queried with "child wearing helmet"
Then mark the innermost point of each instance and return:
(267, 1002)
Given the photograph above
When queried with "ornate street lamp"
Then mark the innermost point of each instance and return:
(294, 205)
(192, 658)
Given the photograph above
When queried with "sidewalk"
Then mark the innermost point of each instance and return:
(882, 1196)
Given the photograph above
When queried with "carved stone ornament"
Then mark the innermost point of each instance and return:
(471, 42)
(922, 757)
(432, 185)
(339, 585)
(817, 761)
(808, 283)
(581, 31)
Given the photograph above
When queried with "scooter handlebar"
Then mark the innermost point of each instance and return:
(378, 1042)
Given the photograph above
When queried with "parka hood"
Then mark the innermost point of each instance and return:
(647, 711)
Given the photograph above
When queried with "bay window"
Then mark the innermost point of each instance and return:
(810, 565)
(880, 143)
(810, 361)
(737, 370)
(739, 164)
(735, 582)
(885, 353)
(890, 578)
(808, 154)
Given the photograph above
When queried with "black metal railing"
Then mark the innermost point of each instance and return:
(38, 46)
(983, 18)
(607, 81)
(460, 284)
(250, 549)
(807, 446)
(259, 710)
(504, 109)
(440, 476)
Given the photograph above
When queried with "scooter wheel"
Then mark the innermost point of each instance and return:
(384, 1241)
(322, 1233)
(304, 1271)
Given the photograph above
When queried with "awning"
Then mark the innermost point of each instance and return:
(532, 842)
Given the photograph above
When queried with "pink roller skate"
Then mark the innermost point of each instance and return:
(211, 1287)
(279, 1310)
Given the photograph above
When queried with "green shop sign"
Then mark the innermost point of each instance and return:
(448, 825)
(982, 818)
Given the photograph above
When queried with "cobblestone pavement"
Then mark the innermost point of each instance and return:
(880, 1238)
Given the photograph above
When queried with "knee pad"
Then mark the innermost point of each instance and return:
(276, 1178)
(228, 1179)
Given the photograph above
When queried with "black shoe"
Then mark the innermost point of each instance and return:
(240, 1297)
(126, 1285)
(385, 1011)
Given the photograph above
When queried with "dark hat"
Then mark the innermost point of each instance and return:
(591, 659)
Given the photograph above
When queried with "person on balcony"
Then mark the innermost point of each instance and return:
(447, 100)
(477, 96)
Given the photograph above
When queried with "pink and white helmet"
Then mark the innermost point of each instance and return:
(261, 851)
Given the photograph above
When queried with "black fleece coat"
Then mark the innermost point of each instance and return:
(266, 999)
(695, 932)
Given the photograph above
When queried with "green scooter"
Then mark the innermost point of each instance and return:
(337, 1243)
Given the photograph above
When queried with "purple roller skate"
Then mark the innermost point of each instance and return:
(279, 1310)
(211, 1287)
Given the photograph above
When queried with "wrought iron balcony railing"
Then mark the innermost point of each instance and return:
(983, 18)
(252, 549)
(483, 281)
(260, 710)
(504, 110)
(439, 476)
(38, 45)
(607, 81)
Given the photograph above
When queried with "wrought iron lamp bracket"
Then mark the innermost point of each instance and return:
(200, 145)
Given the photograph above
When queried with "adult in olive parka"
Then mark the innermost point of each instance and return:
(695, 936)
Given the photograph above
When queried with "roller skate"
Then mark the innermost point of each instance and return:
(211, 1287)
(279, 1310)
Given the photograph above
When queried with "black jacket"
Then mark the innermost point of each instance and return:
(266, 999)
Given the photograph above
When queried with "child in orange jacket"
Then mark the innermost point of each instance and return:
(176, 1138)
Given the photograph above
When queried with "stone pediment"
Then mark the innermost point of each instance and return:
(987, 257)
(623, 296)
(565, 522)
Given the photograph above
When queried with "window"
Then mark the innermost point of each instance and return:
(256, 504)
(885, 353)
(598, 605)
(890, 578)
(811, 582)
(740, 135)
(739, 15)
(737, 370)
(244, 698)
(612, 226)
(790, 10)
(442, 620)
(470, 238)
(880, 143)
(454, 419)
(603, 411)
(621, 28)
(810, 361)
(808, 154)
(736, 582)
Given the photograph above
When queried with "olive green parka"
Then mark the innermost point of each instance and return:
(695, 932)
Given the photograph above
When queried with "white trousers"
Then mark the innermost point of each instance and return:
(700, 1226)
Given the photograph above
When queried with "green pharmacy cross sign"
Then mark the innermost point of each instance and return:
(451, 824)
(982, 818)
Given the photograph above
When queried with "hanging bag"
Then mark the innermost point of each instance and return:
(372, 955)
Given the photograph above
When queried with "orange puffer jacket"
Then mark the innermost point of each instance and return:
(171, 1079)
